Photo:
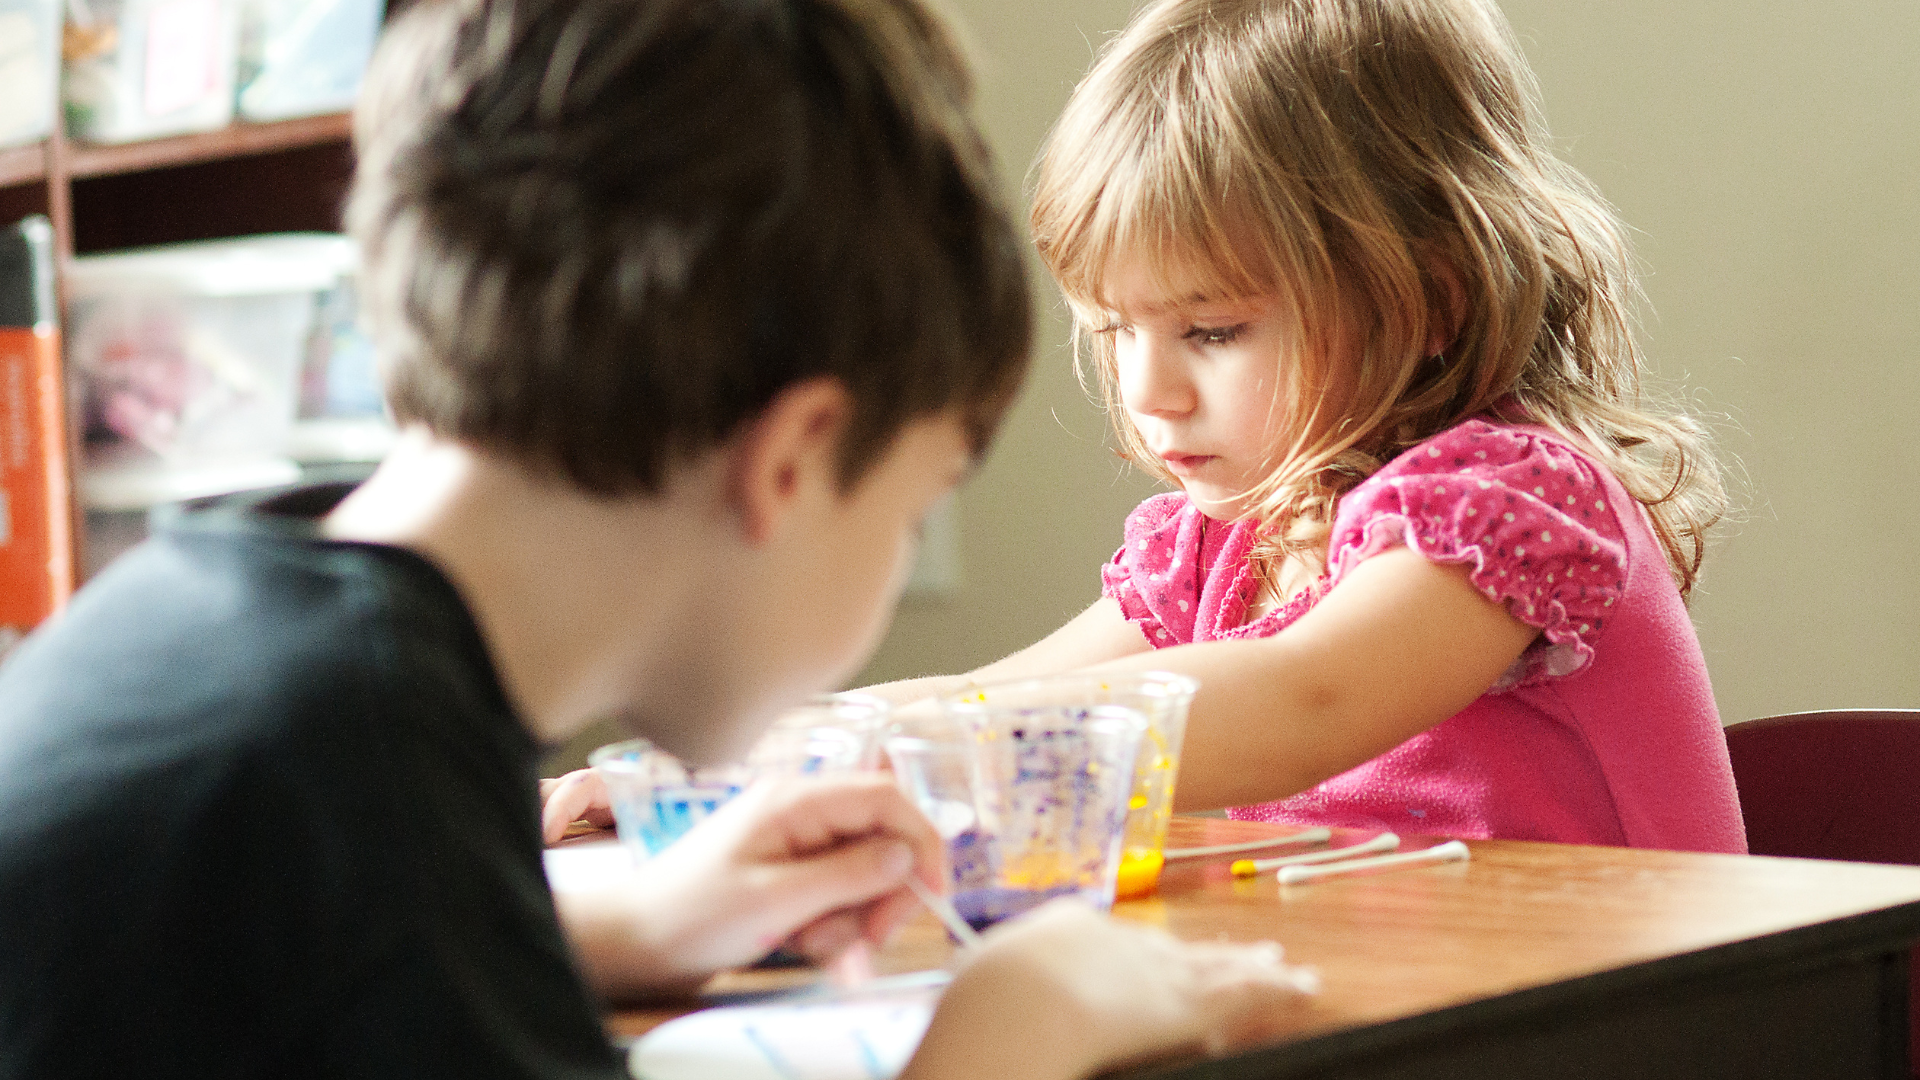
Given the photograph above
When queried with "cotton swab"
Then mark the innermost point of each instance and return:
(1311, 836)
(1386, 841)
(1451, 851)
(943, 910)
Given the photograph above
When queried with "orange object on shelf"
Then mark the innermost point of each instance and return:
(36, 493)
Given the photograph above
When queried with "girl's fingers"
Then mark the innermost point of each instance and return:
(578, 794)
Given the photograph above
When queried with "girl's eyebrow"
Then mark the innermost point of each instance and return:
(1162, 307)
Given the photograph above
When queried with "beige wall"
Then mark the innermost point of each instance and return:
(1768, 155)
(1045, 509)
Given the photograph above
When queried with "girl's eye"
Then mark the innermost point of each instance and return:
(1111, 328)
(1216, 335)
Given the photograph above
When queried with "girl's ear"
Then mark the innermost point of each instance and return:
(790, 449)
(1444, 324)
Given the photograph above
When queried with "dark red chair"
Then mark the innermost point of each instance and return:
(1843, 784)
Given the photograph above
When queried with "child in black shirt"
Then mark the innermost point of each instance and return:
(689, 311)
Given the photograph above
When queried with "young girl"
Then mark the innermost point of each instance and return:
(1430, 550)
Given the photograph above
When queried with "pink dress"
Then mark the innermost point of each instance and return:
(1603, 732)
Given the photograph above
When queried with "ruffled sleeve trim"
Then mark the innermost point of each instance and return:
(1116, 581)
(1151, 538)
(1526, 513)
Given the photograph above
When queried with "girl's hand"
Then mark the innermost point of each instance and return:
(1064, 993)
(578, 795)
(816, 864)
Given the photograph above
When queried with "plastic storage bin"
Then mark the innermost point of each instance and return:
(140, 69)
(303, 57)
(188, 361)
(29, 69)
(342, 411)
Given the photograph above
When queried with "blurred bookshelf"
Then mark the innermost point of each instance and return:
(241, 180)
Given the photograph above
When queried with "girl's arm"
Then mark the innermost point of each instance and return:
(1400, 644)
(1096, 635)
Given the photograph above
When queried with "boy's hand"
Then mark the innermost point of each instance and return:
(578, 795)
(1064, 993)
(818, 864)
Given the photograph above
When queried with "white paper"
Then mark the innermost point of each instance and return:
(584, 867)
(861, 1035)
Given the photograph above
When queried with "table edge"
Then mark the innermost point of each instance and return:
(1892, 928)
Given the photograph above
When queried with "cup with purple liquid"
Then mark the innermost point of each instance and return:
(1163, 698)
(936, 770)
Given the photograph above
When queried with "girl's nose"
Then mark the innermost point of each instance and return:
(1153, 376)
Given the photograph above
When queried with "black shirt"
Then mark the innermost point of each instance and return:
(265, 811)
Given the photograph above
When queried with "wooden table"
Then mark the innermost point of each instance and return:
(1546, 960)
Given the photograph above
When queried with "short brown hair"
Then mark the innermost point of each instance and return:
(600, 234)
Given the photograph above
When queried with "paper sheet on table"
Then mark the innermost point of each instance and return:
(579, 867)
(859, 1035)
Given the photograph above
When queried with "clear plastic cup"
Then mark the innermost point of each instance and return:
(937, 775)
(1163, 699)
(657, 798)
(831, 733)
(1050, 787)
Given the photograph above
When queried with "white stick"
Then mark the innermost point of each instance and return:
(1451, 851)
(937, 904)
(1311, 836)
(1386, 841)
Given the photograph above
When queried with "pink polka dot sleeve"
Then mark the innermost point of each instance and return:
(1146, 560)
(1527, 513)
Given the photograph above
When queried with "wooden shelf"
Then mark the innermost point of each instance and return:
(283, 176)
(238, 140)
(23, 164)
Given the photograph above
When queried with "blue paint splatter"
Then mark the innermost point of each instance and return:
(767, 1051)
(871, 1060)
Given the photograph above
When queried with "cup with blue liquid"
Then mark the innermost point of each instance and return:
(657, 798)
(1030, 797)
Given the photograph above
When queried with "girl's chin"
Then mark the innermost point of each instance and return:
(1217, 504)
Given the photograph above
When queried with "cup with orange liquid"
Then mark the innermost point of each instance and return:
(1162, 698)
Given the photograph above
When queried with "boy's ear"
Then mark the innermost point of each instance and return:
(792, 446)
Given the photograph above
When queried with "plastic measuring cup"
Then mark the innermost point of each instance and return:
(1163, 699)
(1050, 786)
(657, 798)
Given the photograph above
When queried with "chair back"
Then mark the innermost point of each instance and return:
(1842, 784)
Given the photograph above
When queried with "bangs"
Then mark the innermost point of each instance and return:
(1139, 181)
(1143, 168)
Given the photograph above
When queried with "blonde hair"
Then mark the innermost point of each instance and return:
(1381, 167)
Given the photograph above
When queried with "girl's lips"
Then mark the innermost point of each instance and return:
(1185, 464)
